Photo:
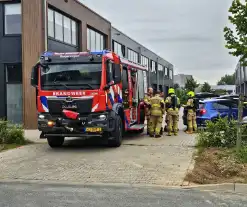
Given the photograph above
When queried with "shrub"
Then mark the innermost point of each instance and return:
(242, 154)
(220, 133)
(11, 133)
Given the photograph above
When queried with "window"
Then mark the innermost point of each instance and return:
(14, 73)
(95, 40)
(74, 32)
(166, 72)
(144, 61)
(171, 74)
(72, 76)
(62, 28)
(132, 56)
(51, 32)
(160, 67)
(12, 18)
(118, 48)
(58, 26)
(153, 69)
(125, 81)
(67, 30)
(220, 105)
(140, 84)
(145, 81)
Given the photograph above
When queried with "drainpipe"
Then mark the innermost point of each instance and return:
(157, 74)
(45, 23)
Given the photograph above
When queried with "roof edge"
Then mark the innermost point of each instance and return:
(80, 3)
(142, 45)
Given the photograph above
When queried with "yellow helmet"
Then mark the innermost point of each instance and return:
(191, 94)
(171, 90)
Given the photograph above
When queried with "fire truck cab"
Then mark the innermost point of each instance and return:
(88, 94)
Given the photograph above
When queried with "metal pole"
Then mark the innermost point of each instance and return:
(157, 74)
(239, 123)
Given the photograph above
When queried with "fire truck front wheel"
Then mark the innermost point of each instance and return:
(55, 142)
(117, 135)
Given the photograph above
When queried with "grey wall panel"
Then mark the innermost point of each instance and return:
(56, 46)
(2, 92)
(14, 103)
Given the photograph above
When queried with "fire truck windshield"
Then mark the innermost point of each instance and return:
(71, 76)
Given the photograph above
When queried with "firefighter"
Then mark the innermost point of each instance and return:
(157, 110)
(162, 95)
(147, 98)
(191, 115)
(172, 107)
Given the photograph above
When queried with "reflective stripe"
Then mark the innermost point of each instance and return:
(155, 105)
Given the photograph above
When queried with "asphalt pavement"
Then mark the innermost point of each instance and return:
(54, 195)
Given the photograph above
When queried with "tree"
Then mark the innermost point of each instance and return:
(227, 80)
(191, 84)
(176, 86)
(236, 41)
(206, 87)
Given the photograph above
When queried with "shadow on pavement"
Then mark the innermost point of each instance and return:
(97, 142)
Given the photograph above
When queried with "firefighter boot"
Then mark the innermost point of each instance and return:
(161, 131)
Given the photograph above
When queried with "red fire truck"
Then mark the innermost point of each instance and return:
(86, 94)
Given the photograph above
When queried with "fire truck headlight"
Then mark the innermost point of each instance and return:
(102, 117)
(41, 116)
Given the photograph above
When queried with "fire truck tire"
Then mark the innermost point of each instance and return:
(55, 142)
(117, 134)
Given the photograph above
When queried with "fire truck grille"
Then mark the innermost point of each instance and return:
(81, 106)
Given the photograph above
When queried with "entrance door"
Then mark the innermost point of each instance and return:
(14, 93)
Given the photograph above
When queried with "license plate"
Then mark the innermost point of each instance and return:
(92, 129)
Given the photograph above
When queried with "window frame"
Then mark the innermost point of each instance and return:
(142, 61)
(216, 105)
(118, 45)
(125, 82)
(153, 70)
(95, 31)
(72, 21)
(170, 74)
(132, 52)
(4, 20)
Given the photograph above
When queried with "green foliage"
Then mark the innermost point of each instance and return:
(182, 95)
(220, 133)
(242, 154)
(236, 41)
(191, 84)
(11, 133)
(206, 87)
(227, 80)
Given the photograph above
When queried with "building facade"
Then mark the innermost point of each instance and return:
(181, 79)
(29, 27)
(160, 74)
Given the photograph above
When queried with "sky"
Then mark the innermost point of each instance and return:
(187, 33)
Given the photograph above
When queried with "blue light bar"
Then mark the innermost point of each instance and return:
(47, 54)
(101, 52)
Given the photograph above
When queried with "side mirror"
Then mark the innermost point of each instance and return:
(117, 73)
(34, 76)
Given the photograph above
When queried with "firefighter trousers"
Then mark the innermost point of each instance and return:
(155, 125)
(173, 118)
(191, 121)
